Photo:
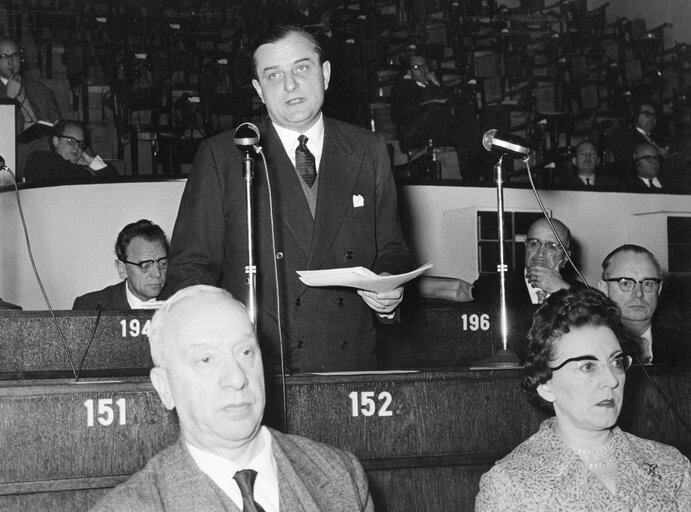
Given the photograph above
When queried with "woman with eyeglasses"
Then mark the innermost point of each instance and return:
(68, 157)
(580, 460)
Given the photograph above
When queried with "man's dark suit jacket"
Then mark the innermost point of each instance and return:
(634, 184)
(486, 290)
(356, 224)
(112, 297)
(602, 183)
(46, 165)
(669, 346)
(312, 477)
(42, 102)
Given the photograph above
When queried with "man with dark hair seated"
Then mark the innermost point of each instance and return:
(142, 261)
(68, 156)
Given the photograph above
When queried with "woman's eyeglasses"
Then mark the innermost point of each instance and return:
(592, 366)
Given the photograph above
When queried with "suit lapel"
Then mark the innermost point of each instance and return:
(338, 172)
(299, 480)
(289, 199)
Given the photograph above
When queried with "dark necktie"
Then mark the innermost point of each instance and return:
(245, 480)
(587, 182)
(304, 162)
(650, 183)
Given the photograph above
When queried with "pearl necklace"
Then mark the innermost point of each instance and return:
(599, 457)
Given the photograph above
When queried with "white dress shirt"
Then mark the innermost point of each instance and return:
(134, 301)
(222, 470)
(315, 142)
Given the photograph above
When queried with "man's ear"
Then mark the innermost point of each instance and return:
(54, 142)
(159, 380)
(602, 286)
(326, 71)
(659, 290)
(122, 270)
(258, 88)
(545, 391)
(573, 161)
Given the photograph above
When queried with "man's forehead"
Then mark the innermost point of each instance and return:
(8, 47)
(633, 263)
(73, 131)
(586, 148)
(208, 312)
(290, 49)
(542, 231)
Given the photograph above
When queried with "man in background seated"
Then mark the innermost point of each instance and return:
(422, 109)
(33, 100)
(623, 140)
(142, 261)
(646, 161)
(208, 367)
(585, 161)
(632, 277)
(544, 261)
(68, 156)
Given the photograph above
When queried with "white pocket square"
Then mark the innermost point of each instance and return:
(358, 201)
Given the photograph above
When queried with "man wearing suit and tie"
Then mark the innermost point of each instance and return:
(334, 204)
(585, 162)
(541, 275)
(646, 161)
(208, 367)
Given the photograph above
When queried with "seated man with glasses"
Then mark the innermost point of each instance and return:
(33, 100)
(646, 161)
(142, 261)
(422, 109)
(542, 273)
(632, 277)
(68, 157)
(623, 139)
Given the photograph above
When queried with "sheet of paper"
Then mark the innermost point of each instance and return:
(358, 277)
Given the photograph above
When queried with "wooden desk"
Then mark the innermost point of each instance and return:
(421, 436)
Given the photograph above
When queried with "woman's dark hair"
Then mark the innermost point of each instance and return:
(562, 311)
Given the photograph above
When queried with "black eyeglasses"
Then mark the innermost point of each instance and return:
(147, 265)
(627, 284)
(10, 56)
(419, 66)
(591, 366)
(534, 244)
(81, 144)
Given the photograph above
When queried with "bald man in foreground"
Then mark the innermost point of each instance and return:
(208, 368)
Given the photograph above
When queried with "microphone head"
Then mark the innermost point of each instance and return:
(487, 139)
(246, 136)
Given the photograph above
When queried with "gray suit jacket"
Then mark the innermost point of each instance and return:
(356, 224)
(312, 477)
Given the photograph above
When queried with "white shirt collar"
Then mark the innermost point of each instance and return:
(315, 142)
(642, 131)
(583, 178)
(221, 471)
(4, 80)
(134, 301)
(656, 182)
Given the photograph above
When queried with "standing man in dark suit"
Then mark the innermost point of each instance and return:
(541, 275)
(208, 367)
(632, 277)
(142, 263)
(340, 211)
(33, 100)
(623, 140)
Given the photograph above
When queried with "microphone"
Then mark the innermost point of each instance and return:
(506, 144)
(246, 137)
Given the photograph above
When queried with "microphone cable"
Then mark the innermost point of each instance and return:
(279, 321)
(38, 277)
(549, 221)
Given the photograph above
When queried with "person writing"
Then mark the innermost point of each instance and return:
(335, 206)
(580, 459)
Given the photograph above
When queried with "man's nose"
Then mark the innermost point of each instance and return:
(638, 289)
(234, 375)
(290, 84)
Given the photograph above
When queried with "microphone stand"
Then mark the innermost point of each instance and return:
(250, 269)
(505, 358)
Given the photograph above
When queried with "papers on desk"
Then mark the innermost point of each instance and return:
(358, 277)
